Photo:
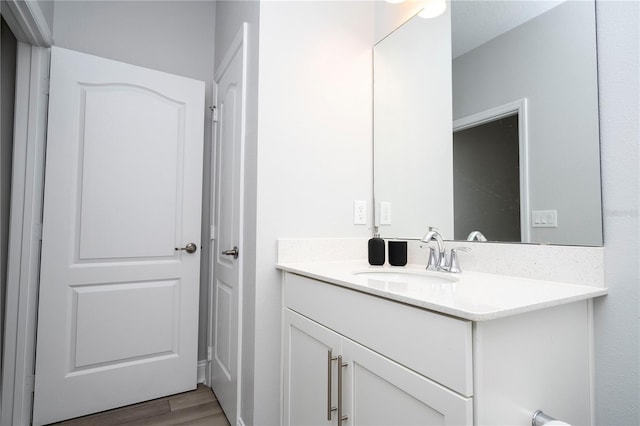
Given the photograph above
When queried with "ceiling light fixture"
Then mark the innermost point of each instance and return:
(433, 8)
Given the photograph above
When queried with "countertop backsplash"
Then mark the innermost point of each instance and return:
(568, 264)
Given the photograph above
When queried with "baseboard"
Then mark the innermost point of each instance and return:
(202, 368)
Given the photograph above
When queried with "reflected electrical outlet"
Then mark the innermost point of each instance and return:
(544, 218)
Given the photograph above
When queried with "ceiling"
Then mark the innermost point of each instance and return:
(474, 22)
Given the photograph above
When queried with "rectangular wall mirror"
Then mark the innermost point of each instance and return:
(486, 119)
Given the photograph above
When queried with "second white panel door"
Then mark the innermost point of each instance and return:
(228, 216)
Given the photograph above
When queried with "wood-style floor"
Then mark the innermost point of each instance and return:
(196, 408)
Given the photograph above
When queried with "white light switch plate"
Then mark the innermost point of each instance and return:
(385, 213)
(544, 219)
(359, 212)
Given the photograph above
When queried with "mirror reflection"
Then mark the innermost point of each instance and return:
(486, 119)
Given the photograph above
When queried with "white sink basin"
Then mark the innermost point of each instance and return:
(425, 285)
(408, 277)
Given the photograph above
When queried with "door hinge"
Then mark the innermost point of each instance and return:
(214, 113)
(213, 232)
(209, 353)
(37, 230)
(30, 384)
(46, 87)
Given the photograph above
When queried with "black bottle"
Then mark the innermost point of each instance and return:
(376, 250)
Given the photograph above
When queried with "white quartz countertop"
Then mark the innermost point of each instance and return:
(469, 295)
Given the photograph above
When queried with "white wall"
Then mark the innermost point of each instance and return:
(617, 316)
(47, 7)
(389, 16)
(171, 36)
(314, 150)
(550, 60)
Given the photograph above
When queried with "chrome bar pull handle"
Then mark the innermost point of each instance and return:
(330, 359)
(341, 365)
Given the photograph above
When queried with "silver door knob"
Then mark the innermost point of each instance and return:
(189, 248)
(233, 252)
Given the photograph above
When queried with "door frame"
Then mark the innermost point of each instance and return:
(26, 20)
(32, 85)
(516, 107)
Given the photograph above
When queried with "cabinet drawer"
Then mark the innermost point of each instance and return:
(434, 345)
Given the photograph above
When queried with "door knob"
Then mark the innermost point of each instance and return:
(189, 248)
(233, 252)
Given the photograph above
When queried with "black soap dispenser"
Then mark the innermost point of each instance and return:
(376, 250)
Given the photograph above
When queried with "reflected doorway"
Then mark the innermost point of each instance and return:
(486, 180)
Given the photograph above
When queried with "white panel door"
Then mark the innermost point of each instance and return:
(228, 216)
(118, 306)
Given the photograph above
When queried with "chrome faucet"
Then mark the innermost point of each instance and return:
(477, 236)
(437, 260)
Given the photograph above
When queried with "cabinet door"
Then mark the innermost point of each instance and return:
(306, 366)
(380, 392)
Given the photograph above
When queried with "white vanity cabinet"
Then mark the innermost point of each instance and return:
(374, 389)
(404, 365)
(323, 322)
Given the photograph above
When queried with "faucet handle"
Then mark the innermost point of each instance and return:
(432, 264)
(454, 264)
